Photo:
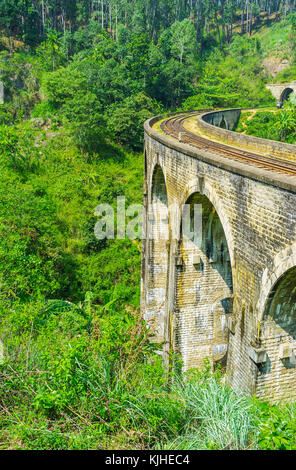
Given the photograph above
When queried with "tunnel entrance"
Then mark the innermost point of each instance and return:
(285, 95)
(203, 289)
(278, 374)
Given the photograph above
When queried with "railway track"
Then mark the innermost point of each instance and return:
(174, 127)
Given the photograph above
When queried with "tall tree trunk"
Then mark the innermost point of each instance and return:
(199, 25)
(247, 20)
(116, 21)
(43, 16)
(63, 21)
(218, 28)
(110, 18)
(242, 20)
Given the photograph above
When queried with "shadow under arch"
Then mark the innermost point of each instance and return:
(216, 248)
(282, 263)
(204, 287)
(158, 186)
(223, 123)
(145, 165)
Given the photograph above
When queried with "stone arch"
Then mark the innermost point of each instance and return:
(277, 375)
(201, 185)
(285, 94)
(281, 302)
(203, 286)
(157, 233)
(283, 261)
(158, 185)
(159, 213)
(154, 165)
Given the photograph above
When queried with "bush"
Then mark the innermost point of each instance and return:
(277, 426)
(18, 150)
(262, 124)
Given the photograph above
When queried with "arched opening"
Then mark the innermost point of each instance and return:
(277, 376)
(281, 303)
(157, 233)
(159, 206)
(203, 287)
(285, 95)
(159, 192)
(223, 124)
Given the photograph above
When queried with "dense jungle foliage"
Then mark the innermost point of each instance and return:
(80, 78)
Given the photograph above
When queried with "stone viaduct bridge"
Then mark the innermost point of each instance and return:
(229, 292)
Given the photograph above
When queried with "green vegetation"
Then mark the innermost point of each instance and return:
(279, 125)
(80, 78)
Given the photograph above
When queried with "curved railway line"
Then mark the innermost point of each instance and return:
(174, 127)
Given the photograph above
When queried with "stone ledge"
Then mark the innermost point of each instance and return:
(259, 356)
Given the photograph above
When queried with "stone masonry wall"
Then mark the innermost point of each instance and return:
(257, 213)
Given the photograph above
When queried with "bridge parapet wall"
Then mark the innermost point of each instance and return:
(207, 122)
(226, 119)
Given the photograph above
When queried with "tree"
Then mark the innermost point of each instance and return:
(125, 121)
(51, 51)
(183, 39)
(84, 114)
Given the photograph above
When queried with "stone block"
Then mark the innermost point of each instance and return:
(285, 350)
(196, 260)
(257, 355)
(179, 261)
(231, 324)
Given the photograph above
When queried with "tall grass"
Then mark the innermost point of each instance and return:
(198, 413)
(217, 417)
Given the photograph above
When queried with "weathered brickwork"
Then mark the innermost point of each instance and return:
(221, 299)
